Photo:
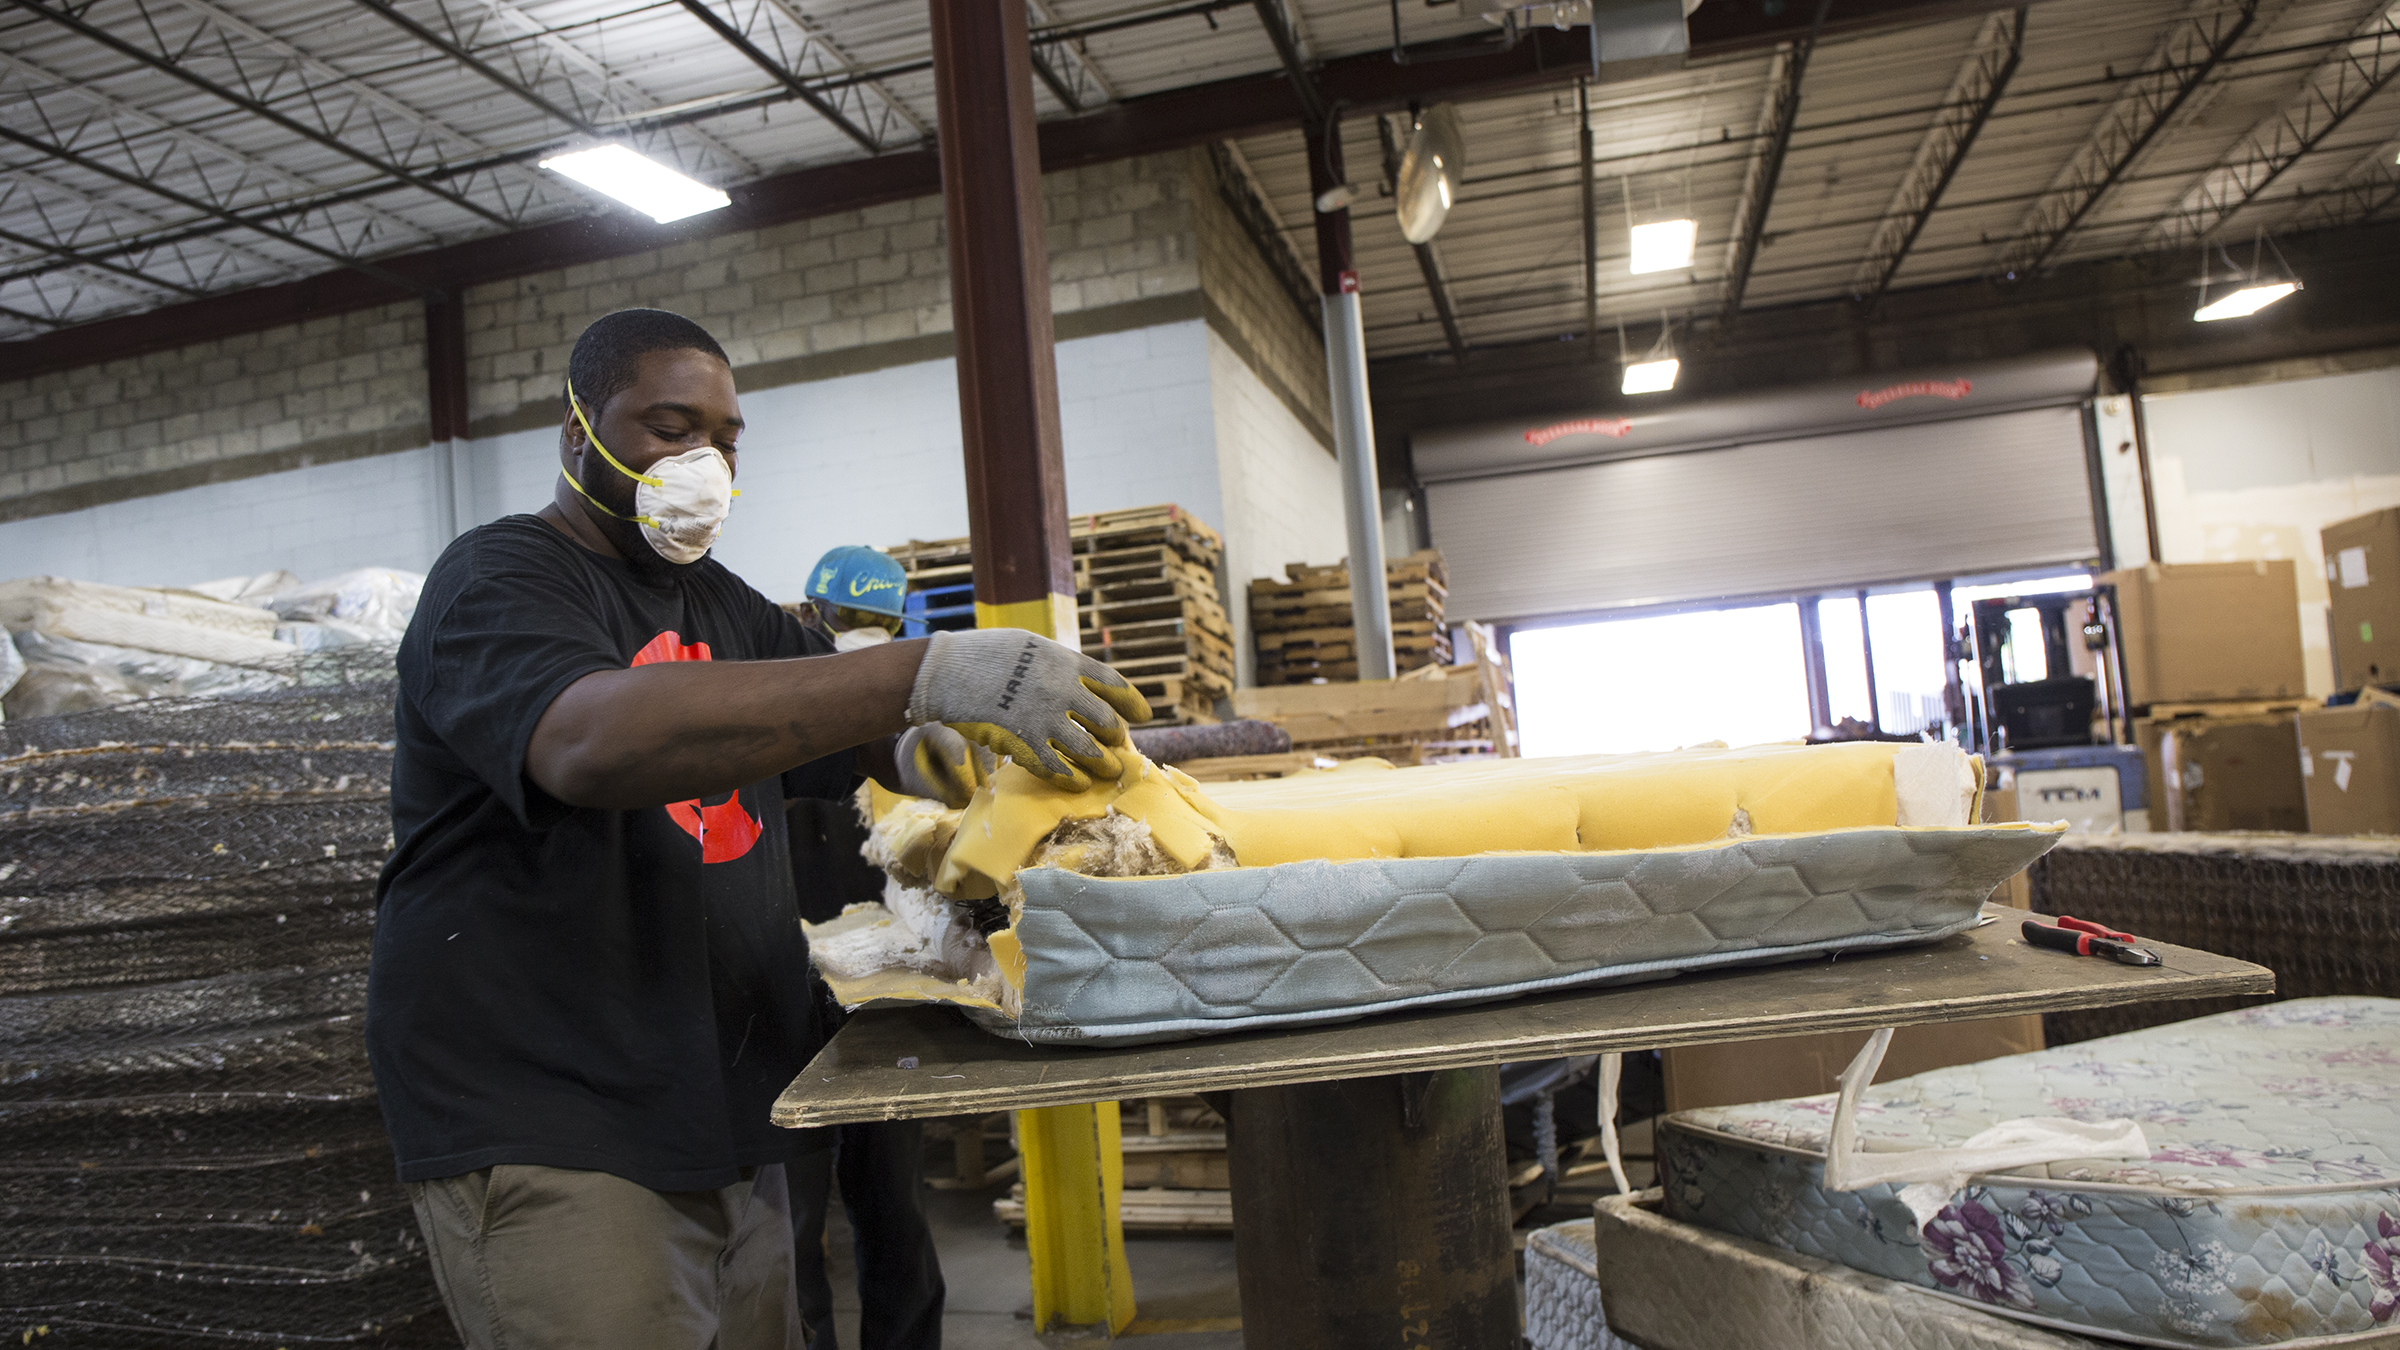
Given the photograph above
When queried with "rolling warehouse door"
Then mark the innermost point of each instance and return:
(1977, 494)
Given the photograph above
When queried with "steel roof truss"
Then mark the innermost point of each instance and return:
(2352, 74)
(179, 60)
(449, 143)
(1771, 141)
(1064, 66)
(87, 163)
(454, 46)
(2367, 190)
(812, 52)
(41, 82)
(1990, 64)
(2182, 61)
(735, 35)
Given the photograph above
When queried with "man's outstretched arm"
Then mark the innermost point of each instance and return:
(621, 739)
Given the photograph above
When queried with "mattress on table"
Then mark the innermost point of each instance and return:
(2268, 1212)
(1126, 960)
(1670, 1286)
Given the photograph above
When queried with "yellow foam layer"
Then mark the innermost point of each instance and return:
(905, 986)
(1368, 809)
(1583, 803)
(1010, 816)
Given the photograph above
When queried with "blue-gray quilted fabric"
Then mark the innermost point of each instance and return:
(2268, 1212)
(1122, 961)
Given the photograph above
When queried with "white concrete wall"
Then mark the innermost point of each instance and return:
(2257, 472)
(316, 521)
(1282, 491)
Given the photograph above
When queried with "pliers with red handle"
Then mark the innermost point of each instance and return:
(2085, 938)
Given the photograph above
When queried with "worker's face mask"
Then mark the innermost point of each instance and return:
(681, 504)
(853, 639)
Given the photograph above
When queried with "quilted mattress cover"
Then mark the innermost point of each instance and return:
(2267, 1214)
(1127, 960)
(1562, 1292)
(1671, 1286)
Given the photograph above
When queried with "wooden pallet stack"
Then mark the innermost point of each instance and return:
(1145, 592)
(1432, 715)
(1176, 1175)
(1302, 626)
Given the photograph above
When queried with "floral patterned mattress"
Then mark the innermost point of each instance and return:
(2268, 1212)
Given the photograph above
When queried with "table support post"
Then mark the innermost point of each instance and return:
(1373, 1212)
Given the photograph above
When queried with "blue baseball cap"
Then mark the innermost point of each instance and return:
(854, 577)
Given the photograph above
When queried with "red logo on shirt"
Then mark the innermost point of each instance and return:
(725, 830)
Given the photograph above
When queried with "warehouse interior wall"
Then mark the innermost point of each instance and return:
(1281, 493)
(305, 447)
(2255, 472)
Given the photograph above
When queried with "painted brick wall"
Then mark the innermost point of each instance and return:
(380, 510)
(354, 384)
(1118, 232)
(348, 382)
(1251, 306)
(1282, 493)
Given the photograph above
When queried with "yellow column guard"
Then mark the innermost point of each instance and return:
(1074, 1175)
(1074, 1160)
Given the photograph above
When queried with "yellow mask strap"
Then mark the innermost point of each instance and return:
(599, 505)
(594, 438)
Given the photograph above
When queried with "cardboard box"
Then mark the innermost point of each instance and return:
(2233, 773)
(2210, 632)
(2362, 576)
(2350, 768)
(1735, 1073)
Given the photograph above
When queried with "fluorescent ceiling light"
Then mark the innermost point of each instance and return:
(641, 183)
(2247, 300)
(1663, 245)
(1650, 377)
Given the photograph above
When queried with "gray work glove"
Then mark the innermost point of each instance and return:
(1044, 705)
(938, 763)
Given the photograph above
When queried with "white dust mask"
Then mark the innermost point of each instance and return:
(866, 635)
(681, 504)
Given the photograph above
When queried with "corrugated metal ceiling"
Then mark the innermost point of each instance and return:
(135, 134)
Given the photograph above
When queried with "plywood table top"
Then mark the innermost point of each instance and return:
(1984, 972)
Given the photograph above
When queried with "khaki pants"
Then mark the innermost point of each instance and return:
(530, 1258)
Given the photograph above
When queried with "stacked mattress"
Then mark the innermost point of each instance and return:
(2268, 1212)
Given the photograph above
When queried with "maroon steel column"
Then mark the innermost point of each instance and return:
(1000, 307)
(446, 411)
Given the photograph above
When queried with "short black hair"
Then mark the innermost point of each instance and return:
(607, 353)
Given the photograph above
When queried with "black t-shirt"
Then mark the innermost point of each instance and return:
(616, 991)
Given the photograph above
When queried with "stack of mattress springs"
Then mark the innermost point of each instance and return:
(2322, 912)
(190, 1149)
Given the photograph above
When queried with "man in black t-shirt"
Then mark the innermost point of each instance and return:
(588, 982)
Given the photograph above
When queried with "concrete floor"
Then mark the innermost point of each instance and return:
(1177, 1280)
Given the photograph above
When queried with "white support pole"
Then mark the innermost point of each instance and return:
(1362, 498)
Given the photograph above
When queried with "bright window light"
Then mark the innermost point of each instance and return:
(1650, 377)
(641, 183)
(2247, 300)
(1663, 246)
(1662, 681)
